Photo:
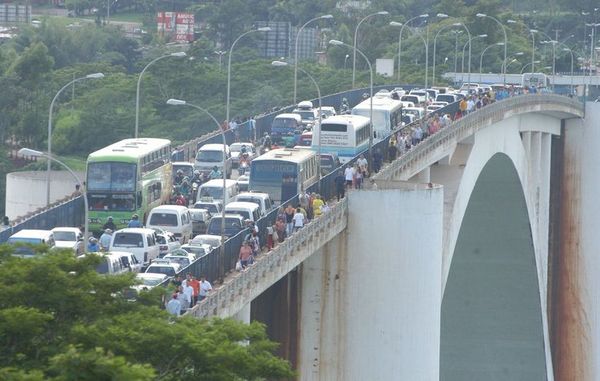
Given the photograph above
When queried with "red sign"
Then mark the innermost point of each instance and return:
(176, 26)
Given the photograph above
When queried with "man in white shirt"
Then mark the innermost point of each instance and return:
(298, 220)
(174, 306)
(188, 292)
(349, 175)
(363, 164)
(205, 288)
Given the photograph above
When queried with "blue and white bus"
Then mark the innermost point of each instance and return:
(345, 135)
(284, 172)
(387, 114)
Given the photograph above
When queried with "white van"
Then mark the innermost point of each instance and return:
(210, 156)
(173, 218)
(213, 190)
(139, 241)
(248, 210)
(118, 262)
(25, 237)
(263, 200)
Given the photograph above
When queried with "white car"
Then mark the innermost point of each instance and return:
(139, 241)
(243, 182)
(161, 266)
(167, 242)
(69, 238)
(236, 151)
(181, 256)
(147, 281)
(207, 239)
(198, 250)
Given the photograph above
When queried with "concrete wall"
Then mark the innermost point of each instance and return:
(371, 300)
(26, 191)
(577, 306)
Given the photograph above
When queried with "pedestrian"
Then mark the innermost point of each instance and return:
(281, 214)
(289, 218)
(195, 284)
(377, 160)
(392, 150)
(182, 299)
(174, 306)
(93, 246)
(134, 222)
(280, 231)
(105, 239)
(340, 185)
(109, 224)
(358, 177)
(325, 208)
(5, 223)
(245, 254)
(205, 288)
(298, 220)
(349, 176)
(188, 291)
(176, 281)
(271, 237)
(317, 204)
(363, 165)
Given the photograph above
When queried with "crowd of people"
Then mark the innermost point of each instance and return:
(188, 292)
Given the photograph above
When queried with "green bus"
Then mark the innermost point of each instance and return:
(129, 177)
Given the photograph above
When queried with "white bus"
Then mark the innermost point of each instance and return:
(387, 115)
(345, 135)
(283, 172)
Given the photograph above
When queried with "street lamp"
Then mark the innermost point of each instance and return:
(281, 63)
(261, 29)
(296, 61)
(340, 43)
(483, 15)
(49, 164)
(532, 32)
(469, 62)
(511, 60)
(553, 42)
(346, 60)
(425, 46)
(401, 25)
(435, 41)
(482, 53)
(139, 82)
(567, 49)
(179, 102)
(220, 53)
(380, 13)
(32, 152)
(529, 64)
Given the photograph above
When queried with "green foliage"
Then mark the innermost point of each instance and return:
(60, 320)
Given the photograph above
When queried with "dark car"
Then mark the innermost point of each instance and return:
(329, 162)
(200, 218)
(234, 223)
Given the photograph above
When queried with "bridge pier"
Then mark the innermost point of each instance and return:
(370, 306)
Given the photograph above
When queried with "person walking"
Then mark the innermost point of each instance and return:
(245, 254)
(205, 288)
(174, 305)
(134, 222)
(349, 176)
(317, 204)
(109, 224)
(105, 239)
(340, 185)
(298, 220)
(289, 218)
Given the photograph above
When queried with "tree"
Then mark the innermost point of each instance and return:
(34, 63)
(61, 321)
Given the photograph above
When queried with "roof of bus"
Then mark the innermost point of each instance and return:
(380, 103)
(130, 148)
(292, 155)
(345, 119)
(289, 116)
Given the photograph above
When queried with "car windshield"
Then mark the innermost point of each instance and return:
(213, 192)
(212, 208)
(163, 219)
(243, 213)
(183, 261)
(167, 270)
(196, 216)
(210, 156)
(35, 241)
(151, 281)
(199, 251)
(64, 236)
(128, 240)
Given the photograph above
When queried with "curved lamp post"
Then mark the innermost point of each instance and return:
(139, 81)
(281, 63)
(296, 61)
(380, 13)
(179, 102)
(401, 25)
(425, 46)
(511, 59)
(435, 41)
(532, 33)
(528, 64)
(481, 57)
(263, 29)
(48, 167)
(32, 152)
(483, 15)
(463, 57)
(340, 43)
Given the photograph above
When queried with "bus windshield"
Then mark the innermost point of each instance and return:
(279, 179)
(111, 176)
(284, 123)
(212, 192)
(106, 201)
(210, 156)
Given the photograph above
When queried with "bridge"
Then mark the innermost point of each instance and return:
(439, 273)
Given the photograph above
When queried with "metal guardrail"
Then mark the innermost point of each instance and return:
(269, 267)
(471, 123)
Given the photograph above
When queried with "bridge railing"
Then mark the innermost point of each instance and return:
(269, 267)
(470, 123)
